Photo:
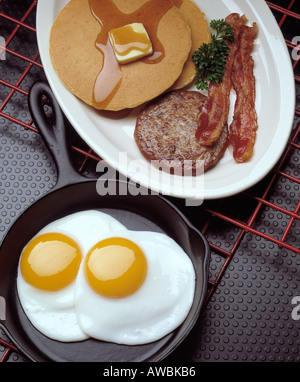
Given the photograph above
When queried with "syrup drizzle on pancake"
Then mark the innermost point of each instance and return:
(110, 16)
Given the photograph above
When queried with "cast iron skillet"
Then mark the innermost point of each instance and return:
(73, 193)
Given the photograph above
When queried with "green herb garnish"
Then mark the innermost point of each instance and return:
(210, 59)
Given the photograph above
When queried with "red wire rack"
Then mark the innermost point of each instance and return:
(258, 201)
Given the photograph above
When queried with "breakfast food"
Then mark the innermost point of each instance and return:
(155, 309)
(131, 287)
(244, 125)
(52, 310)
(165, 134)
(86, 62)
(213, 115)
(200, 33)
(123, 54)
(130, 42)
(184, 129)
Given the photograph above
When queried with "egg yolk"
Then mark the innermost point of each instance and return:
(50, 261)
(116, 267)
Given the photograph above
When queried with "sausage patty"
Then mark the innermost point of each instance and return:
(165, 134)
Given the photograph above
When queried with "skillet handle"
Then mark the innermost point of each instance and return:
(54, 133)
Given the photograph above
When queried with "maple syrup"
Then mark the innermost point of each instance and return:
(110, 16)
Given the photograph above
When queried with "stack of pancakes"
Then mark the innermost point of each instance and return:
(78, 61)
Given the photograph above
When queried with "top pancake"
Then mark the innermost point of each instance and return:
(78, 62)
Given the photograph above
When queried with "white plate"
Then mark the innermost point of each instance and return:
(113, 140)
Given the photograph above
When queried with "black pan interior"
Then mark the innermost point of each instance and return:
(140, 212)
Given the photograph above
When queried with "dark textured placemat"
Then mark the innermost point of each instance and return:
(248, 314)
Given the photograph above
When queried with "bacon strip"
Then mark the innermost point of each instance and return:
(213, 115)
(243, 128)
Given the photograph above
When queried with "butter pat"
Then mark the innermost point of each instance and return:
(130, 42)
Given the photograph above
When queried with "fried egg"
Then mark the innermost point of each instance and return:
(157, 299)
(48, 269)
(108, 283)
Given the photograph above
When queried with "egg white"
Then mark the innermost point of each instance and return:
(77, 312)
(53, 312)
(158, 307)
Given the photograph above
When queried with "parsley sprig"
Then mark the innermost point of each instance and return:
(210, 59)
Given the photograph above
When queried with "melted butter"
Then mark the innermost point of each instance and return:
(110, 17)
(126, 40)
